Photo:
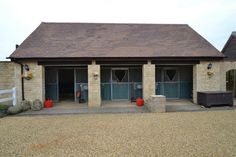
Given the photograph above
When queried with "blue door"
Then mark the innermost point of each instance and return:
(171, 83)
(120, 84)
(174, 82)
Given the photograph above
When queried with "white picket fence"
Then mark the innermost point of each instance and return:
(13, 93)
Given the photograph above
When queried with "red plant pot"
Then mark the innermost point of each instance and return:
(48, 103)
(139, 102)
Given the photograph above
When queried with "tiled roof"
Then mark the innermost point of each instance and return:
(97, 40)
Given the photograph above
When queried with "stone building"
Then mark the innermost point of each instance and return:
(229, 66)
(114, 62)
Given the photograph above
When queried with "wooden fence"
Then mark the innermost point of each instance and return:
(12, 98)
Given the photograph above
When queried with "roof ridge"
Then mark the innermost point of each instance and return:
(110, 23)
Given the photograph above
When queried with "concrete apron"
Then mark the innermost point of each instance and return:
(82, 108)
(188, 106)
(119, 107)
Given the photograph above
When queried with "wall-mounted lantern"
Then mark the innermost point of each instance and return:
(26, 67)
(95, 75)
(209, 67)
(210, 72)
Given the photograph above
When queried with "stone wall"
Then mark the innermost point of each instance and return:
(149, 87)
(94, 87)
(6, 78)
(35, 88)
(7, 73)
(202, 81)
(10, 77)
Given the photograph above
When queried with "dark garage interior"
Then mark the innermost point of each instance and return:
(66, 84)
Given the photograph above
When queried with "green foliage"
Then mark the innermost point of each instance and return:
(3, 107)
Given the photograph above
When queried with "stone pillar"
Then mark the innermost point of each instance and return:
(94, 86)
(195, 80)
(149, 86)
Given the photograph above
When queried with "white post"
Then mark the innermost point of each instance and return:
(14, 96)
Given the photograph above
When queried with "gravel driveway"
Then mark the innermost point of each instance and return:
(168, 134)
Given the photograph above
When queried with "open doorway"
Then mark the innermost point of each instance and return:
(231, 81)
(66, 84)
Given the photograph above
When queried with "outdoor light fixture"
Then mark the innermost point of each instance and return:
(209, 66)
(210, 72)
(95, 75)
(26, 67)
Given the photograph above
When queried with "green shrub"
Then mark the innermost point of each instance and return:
(3, 107)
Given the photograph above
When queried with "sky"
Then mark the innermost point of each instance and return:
(213, 19)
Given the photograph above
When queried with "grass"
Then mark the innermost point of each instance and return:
(168, 134)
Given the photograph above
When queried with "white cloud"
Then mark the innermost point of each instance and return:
(212, 19)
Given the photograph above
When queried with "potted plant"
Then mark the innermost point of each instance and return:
(28, 75)
(3, 109)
